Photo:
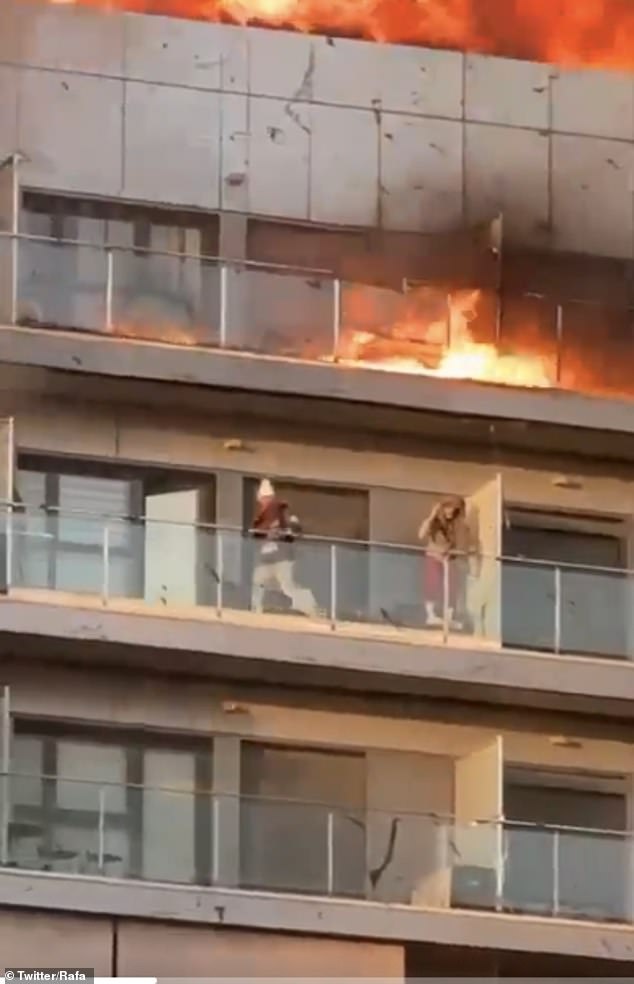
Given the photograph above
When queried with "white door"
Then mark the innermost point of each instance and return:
(7, 492)
(171, 548)
(484, 580)
(479, 812)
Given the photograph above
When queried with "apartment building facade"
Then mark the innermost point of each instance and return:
(221, 249)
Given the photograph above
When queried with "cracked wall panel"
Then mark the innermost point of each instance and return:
(344, 178)
(596, 103)
(69, 38)
(421, 173)
(506, 91)
(172, 145)
(592, 195)
(506, 170)
(182, 52)
(281, 64)
(81, 151)
(234, 179)
(279, 158)
(391, 77)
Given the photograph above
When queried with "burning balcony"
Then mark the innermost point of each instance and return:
(479, 334)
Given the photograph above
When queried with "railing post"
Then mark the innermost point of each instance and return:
(109, 288)
(215, 839)
(559, 334)
(500, 861)
(9, 545)
(105, 560)
(222, 328)
(6, 778)
(446, 616)
(336, 318)
(219, 573)
(333, 586)
(101, 831)
(557, 611)
(330, 853)
(556, 876)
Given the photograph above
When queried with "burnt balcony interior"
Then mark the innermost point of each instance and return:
(423, 830)
(168, 537)
(460, 305)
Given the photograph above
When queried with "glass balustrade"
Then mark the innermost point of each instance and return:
(164, 297)
(61, 285)
(185, 299)
(279, 312)
(197, 837)
(367, 588)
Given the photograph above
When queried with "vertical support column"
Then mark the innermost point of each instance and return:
(229, 517)
(235, 281)
(9, 227)
(226, 813)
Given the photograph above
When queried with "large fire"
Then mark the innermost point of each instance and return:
(431, 342)
(564, 32)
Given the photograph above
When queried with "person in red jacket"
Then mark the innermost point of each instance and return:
(277, 529)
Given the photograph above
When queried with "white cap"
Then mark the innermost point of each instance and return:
(265, 490)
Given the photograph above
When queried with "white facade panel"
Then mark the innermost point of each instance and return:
(8, 111)
(70, 131)
(392, 77)
(592, 195)
(71, 38)
(506, 170)
(279, 157)
(344, 166)
(234, 185)
(172, 145)
(503, 90)
(599, 104)
(421, 173)
(281, 64)
(184, 52)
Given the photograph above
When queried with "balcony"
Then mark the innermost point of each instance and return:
(343, 599)
(331, 336)
(77, 828)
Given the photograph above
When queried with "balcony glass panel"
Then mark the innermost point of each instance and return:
(287, 313)
(165, 297)
(61, 285)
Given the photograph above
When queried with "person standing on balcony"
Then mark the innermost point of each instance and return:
(444, 536)
(277, 529)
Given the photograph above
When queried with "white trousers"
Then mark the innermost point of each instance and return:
(281, 574)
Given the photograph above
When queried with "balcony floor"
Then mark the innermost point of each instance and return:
(323, 916)
(288, 649)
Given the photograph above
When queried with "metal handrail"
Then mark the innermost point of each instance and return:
(441, 818)
(264, 265)
(150, 251)
(20, 509)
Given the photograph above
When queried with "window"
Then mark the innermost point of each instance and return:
(590, 553)
(151, 283)
(138, 802)
(580, 868)
(302, 819)
(60, 542)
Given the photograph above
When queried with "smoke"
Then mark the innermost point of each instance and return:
(595, 33)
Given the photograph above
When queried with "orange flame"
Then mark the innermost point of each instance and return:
(566, 32)
(442, 347)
